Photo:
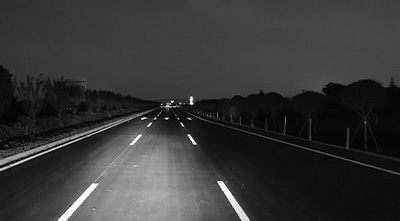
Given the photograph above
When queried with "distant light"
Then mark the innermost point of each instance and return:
(172, 101)
(191, 100)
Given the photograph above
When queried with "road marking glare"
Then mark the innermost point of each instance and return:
(242, 215)
(143, 118)
(78, 202)
(182, 124)
(148, 125)
(189, 118)
(136, 139)
(191, 139)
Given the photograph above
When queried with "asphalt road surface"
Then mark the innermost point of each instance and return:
(151, 169)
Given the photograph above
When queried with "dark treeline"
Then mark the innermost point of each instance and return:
(37, 105)
(369, 110)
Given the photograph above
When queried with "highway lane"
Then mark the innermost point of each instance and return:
(164, 176)
(273, 181)
(43, 188)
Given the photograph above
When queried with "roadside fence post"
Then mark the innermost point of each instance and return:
(347, 138)
(284, 126)
(309, 129)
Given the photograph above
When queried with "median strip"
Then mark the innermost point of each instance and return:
(78, 202)
(191, 139)
(242, 215)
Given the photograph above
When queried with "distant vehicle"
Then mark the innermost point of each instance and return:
(169, 105)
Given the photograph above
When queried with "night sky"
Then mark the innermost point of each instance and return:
(156, 49)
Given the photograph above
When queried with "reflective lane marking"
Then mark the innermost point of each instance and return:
(242, 215)
(181, 124)
(148, 125)
(177, 118)
(143, 118)
(191, 139)
(189, 118)
(155, 118)
(135, 140)
(166, 118)
(78, 202)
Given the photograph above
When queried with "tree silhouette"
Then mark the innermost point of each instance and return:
(236, 107)
(76, 96)
(333, 93)
(223, 107)
(32, 95)
(363, 97)
(309, 103)
(274, 102)
(58, 96)
(6, 90)
(252, 104)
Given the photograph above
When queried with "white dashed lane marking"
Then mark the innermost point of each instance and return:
(78, 202)
(242, 215)
(136, 139)
(191, 139)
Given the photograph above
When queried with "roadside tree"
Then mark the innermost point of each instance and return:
(309, 103)
(6, 90)
(32, 95)
(363, 97)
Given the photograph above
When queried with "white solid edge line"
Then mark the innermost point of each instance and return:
(305, 148)
(111, 125)
(148, 125)
(78, 202)
(181, 124)
(55, 148)
(191, 139)
(242, 215)
(135, 140)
